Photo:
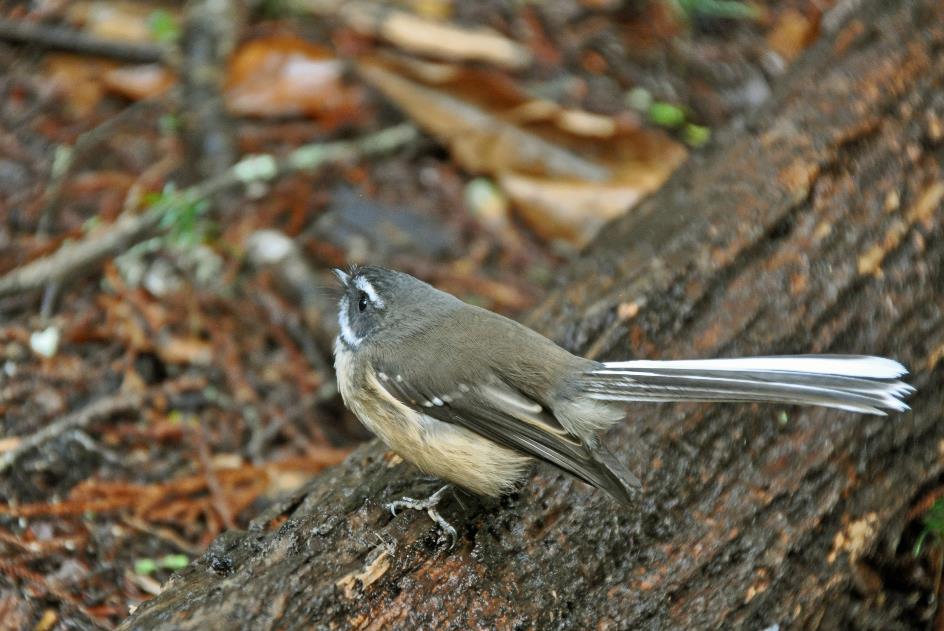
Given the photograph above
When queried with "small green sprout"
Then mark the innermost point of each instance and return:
(168, 124)
(666, 115)
(933, 526)
(183, 216)
(145, 566)
(696, 135)
(171, 562)
(163, 26)
(91, 224)
(174, 561)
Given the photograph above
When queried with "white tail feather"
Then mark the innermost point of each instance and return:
(840, 365)
(848, 382)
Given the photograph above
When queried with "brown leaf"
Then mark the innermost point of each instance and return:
(190, 350)
(283, 75)
(792, 33)
(117, 19)
(432, 38)
(480, 140)
(140, 81)
(78, 80)
(567, 171)
(572, 211)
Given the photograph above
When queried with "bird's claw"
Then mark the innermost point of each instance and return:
(429, 505)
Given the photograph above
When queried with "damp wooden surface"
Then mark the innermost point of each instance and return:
(818, 228)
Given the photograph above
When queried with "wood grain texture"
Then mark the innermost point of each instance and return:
(819, 228)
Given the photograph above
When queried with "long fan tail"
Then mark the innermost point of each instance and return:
(848, 382)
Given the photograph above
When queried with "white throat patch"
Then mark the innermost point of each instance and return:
(347, 333)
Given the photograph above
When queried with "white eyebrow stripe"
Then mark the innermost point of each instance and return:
(364, 285)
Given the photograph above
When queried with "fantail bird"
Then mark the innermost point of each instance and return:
(474, 398)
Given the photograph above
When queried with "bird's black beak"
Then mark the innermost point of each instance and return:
(343, 276)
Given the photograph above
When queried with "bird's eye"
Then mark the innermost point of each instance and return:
(361, 301)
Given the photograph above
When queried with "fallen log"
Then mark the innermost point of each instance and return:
(817, 228)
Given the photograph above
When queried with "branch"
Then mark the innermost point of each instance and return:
(66, 156)
(100, 408)
(68, 39)
(75, 259)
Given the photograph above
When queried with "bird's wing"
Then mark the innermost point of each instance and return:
(497, 411)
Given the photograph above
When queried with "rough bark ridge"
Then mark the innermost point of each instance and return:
(817, 229)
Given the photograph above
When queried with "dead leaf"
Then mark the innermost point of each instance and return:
(567, 171)
(77, 80)
(433, 9)
(480, 141)
(792, 33)
(9, 443)
(140, 81)
(435, 39)
(572, 211)
(190, 350)
(118, 19)
(283, 75)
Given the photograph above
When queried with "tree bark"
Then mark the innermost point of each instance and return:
(818, 228)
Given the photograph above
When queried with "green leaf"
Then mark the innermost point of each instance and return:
(183, 216)
(163, 26)
(174, 561)
(145, 566)
(933, 522)
(91, 223)
(696, 136)
(920, 542)
(666, 114)
(168, 124)
(934, 519)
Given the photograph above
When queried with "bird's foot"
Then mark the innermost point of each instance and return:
(429, 505)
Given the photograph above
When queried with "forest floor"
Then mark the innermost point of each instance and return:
(172, 385)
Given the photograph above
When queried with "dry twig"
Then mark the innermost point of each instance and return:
(217, 494)
(66, 156)
(210, 35)
(68, 39)
(100, 408)
(73, 259)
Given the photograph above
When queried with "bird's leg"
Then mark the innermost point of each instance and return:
(429, 505)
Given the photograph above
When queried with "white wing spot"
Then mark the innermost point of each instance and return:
(427, 404)
(463, 387)
(447, 398)
(437, 401)
(382, 375)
